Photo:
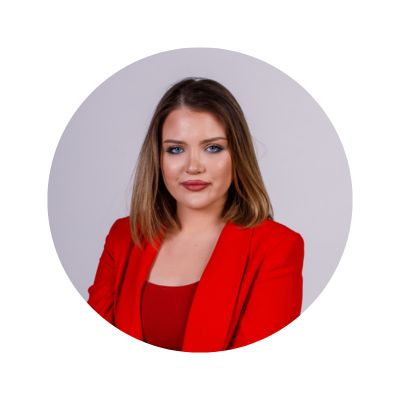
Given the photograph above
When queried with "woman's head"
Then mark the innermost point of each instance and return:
(177, 149)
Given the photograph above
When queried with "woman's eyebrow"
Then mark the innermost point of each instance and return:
(202, 142)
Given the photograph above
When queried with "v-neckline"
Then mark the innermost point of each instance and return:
(159, 242)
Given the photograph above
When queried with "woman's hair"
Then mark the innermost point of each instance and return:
(153, 209)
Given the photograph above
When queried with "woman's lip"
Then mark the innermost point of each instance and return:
(195, 186)
(194, 182)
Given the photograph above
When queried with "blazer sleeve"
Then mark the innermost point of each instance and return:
(101, 293)
(275, 298)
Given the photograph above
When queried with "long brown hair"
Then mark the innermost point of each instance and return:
(153, 209)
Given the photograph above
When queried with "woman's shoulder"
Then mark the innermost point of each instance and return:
(276, 242)
(121, 226)
(271, 226)
(272, 233)
(120, 231)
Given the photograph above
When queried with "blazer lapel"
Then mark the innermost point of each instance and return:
(137, 270)
(210, 322)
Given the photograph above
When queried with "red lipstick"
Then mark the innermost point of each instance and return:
(195, 185)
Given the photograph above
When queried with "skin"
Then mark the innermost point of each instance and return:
(195, 158)
(183, 256)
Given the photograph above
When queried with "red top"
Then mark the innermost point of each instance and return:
(164, 312)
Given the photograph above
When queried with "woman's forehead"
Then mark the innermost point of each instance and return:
(184, 123)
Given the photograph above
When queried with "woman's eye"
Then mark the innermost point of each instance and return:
(214, 148)
(174, 150)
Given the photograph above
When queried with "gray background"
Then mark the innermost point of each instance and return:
(301, 157)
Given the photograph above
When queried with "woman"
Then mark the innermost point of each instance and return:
(199, 265)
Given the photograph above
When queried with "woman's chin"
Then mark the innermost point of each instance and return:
(195, 204)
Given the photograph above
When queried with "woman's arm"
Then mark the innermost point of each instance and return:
(101, 293)
(276, 296)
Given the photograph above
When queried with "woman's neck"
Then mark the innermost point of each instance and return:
(195, 221)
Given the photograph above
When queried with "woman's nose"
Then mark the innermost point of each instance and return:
(194, 164)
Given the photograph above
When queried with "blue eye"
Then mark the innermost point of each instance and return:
(177, 149)
(174, 150)
(214, 148)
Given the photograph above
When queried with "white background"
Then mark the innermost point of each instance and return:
(54, 54)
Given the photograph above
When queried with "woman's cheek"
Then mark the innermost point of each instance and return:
(224, 168)
(170, 170)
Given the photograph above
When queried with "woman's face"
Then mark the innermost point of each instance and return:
(195, 160)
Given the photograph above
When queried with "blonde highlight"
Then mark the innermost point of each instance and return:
(153, 209)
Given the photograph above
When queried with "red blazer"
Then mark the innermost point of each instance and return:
(250, 288)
